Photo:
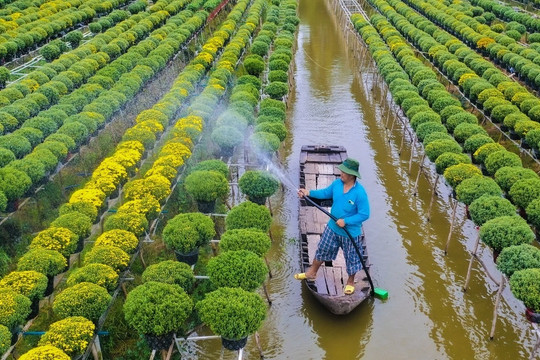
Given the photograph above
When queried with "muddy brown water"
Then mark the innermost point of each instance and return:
(338, 100)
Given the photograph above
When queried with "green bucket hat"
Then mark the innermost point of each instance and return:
(350, 166)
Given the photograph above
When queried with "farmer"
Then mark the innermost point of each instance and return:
(351, 208)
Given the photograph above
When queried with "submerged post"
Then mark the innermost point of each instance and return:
(433, 190)
(473, 256)
(451, 228)
(497, 301)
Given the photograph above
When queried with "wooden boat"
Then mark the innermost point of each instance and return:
(318, 168)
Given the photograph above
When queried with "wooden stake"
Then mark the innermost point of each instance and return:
(268, 266)
(471, 260)
(171, 348)
(433, 192)
(257, 340)
(415, 190)
(123, 286)
(267, 296)
(153, 355)
(141, 256)
(270, 206)
(412, 155)
(451, 228)
(402, 140)
(497, 301)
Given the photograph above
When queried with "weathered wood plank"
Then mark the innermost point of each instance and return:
(324, 181)
(330, 280)
(313, 242)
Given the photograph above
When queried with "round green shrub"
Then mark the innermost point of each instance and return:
(45, 261)
(472, 188)
(72, 335)
(253, 240)
(424, 117)
(505, 231)
(275, 128)
(170, 272)
(77, 222)
(276, 90)
(206, 185)
(437, 147)
(278, 75)
(232, 313)
(506, 176)
(157, 308)
(465, 130)
(475, 141)
(83, 299)
(264, 143)
(254, 65)
(5, 339)
(258, 184)
(240, 268)
(524, 191)
(488, 207)
(187, 231)
(212, 165)
(525, 286)
(109, 255)
(15, 308)
(518, 257)
(30, 283)
(135, 223)
(248, 215)
(53, 238)
(227, 137)
(462, 117)
(99, 274)
(18, 144)
(448, 159)
(485, 150)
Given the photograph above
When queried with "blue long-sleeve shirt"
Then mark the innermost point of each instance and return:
(352, 206)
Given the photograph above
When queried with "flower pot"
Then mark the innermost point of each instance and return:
(206, 207)
(233, 344)
(80, 245)
(188, 258)
(226, 151)
(14, 335)
(525, 144)
(513, 135)
(532, 316)
(496, 254)
(34, 309)
(50, 285)
(258, 200)
(159, 342)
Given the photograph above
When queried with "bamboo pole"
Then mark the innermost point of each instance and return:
(415, 189)
(497, 301)
(402, 141)
(268, 266)
(169, 353)
(412, 155)
(258, 342)
(471, 260)
(451, 227)
(153, 355)
(266, 294)
(433, 192)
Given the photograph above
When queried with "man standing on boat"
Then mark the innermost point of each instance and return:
(351, 208)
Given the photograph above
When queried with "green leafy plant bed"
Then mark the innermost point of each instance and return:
(232, 313)
(156, 308)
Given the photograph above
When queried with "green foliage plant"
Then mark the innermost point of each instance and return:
(525, 286)
(45, 352)
(239, 268)
(232, 313)
(533, 213)
(30, 283)
(524, 191)
(186, 232)
(157, 308)
(248, 215)
(113, 256)
(427, 128)
(48, 262)
(77, 222)
(206, 186)
(5, 339)
(438, 147)
(483, 151)
(499, 159)
(448, 159)
(123, 239)
(72, 335)
(170, 272)
(472, 188)
(212, 165)
(99, 274)
(488, 207)
(258, 184)
(83, 299)
(60, 239)
(227, 137)
(264, 143)
(473, 142)
(504, 231)
(135, 223)
(518, 257)
(14, 308)
(253, 240)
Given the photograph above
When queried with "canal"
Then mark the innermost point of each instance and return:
(337, 100)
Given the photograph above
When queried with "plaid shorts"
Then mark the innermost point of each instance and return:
(330, 244)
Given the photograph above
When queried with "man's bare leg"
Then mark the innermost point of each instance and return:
(311, 273)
